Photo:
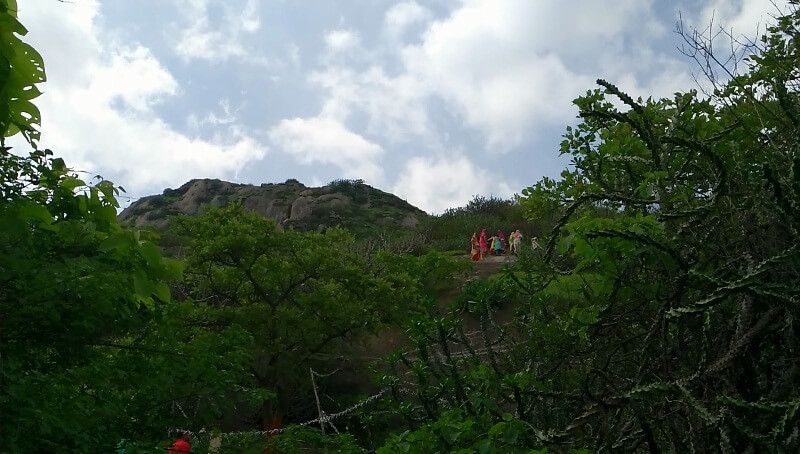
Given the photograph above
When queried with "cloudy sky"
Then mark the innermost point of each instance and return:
(435, 101)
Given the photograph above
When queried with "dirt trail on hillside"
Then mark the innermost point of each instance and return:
(389, 340)
(491, 264)
(371, 353)
(488, 266)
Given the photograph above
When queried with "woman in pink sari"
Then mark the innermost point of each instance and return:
(482, 242)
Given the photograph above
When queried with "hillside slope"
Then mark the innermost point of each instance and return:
(346, 203)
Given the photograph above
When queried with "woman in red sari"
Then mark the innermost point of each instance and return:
(482, 242)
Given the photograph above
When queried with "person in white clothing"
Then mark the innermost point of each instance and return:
(516, 241)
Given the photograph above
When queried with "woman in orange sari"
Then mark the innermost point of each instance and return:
(475, 248)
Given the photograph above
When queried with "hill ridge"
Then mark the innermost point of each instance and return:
(352, 204)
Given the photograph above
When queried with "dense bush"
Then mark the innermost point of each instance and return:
(664, 315)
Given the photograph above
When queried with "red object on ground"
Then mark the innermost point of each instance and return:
(180, 446)
(272, 424)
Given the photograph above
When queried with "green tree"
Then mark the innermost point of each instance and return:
(21, 68)
(664, 316)
(697, 266)
(92, 350)
(300, 295)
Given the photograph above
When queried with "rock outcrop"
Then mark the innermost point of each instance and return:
(350, 204)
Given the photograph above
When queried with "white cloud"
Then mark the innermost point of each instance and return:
(505, 101)
(226, 117)
(511, 68)
(478, 76)
(328, 141)
(98, 106)
(203, 41)
(744, 19)
(341, 40)
(134, 76)
(437, 183)
(395, 106)
(508, 70)
(294, 54)
(249, 17)
(402, 15)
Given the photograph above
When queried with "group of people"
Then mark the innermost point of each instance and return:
(496, 244)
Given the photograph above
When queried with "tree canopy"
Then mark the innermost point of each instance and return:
(300, 295)
(93, 349)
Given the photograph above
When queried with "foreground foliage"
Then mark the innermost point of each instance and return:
(664, 316)
(93, 349)
(302, 296)
(661, 316)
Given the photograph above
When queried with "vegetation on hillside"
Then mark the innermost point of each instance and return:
(661, 314)
(349, 204)
(299, 295)
(677, 239)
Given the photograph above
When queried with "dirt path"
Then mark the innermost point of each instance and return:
(390, 339)
(491, 264)
(371, 353)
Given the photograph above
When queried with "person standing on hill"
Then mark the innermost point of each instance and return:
(511, 246)
(502, 241)
(181, 445)
(516, 241)
(474, 245)
(482, 243)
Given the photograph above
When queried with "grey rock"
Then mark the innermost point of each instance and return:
(289, 204)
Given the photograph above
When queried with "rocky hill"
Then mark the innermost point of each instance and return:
(346, 203)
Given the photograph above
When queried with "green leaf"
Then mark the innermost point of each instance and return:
(143, 286)
(498, 429)
(29, 63)
(162, 292)
(70, 183)
(450, 434)
(32, 211)
(484, 447)
(116, 241)
(11, 6)
(10, 24)
(107, 213)
(151, 254)
(564, 245)
(25, 93)
(511, 434)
